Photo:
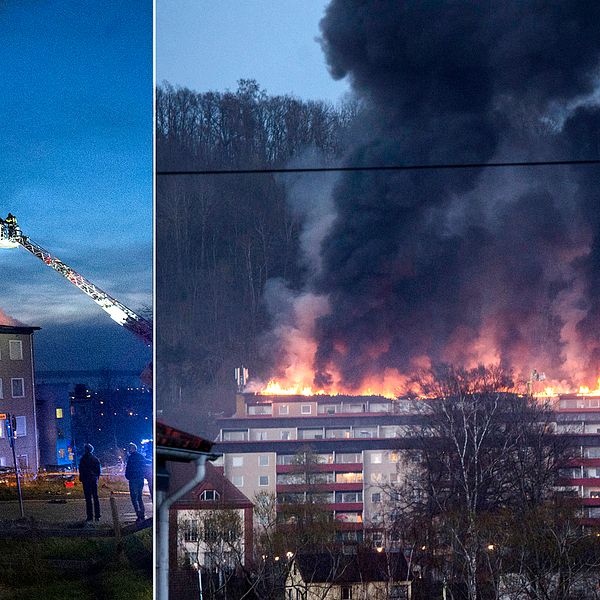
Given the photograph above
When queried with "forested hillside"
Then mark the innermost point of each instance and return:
(220, 238)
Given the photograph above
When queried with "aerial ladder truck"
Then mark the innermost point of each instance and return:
(11, 236)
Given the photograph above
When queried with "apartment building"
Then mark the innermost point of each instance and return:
(214, 522)
(579, 417)
(351, 441)
(17, 396)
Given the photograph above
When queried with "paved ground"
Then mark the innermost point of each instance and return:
(72, 511)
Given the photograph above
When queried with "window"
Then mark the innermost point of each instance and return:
(21, 426)
(235, 436)
(190, 531)
(345, 457)
(306, 409)
(263, 480)
(61, 453)
(23, 462)
(263, 460)
(59, 413)
(285, 435)
(376, 497)
(283, 409)
(348, 477)
(237, 461)
(238, 480)
(209, 495)
(376, 458)
(261, 435)
(15, 349)
(310, 434)
(17, 387)
(346, 497)
(260, 409)
(2, 461)
(346, 592)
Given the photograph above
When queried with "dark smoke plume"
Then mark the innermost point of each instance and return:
(476, 264)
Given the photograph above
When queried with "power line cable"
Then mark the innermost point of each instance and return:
(433, 167)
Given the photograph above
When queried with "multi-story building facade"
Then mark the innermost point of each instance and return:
(354, 443)
(350, 441)
(17, 396)
(579, 417)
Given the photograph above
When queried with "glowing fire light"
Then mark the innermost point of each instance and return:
(585, 391)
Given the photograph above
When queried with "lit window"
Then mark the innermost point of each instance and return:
(61, 453)
(237, 461)
(17, 387)
(263, 460)
(59, 413)
(306, 409)
(376, 458)
(15, 350)
(263, 480)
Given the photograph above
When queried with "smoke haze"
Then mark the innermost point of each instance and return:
(474, 265)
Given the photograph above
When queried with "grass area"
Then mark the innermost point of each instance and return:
(25, 570)
(42, 488)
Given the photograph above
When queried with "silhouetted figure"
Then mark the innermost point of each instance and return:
(89, 471)
(134, 473)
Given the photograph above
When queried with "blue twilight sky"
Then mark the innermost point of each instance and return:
(208, 45)
(76, 170)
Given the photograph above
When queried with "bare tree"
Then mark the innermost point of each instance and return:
(482, 448)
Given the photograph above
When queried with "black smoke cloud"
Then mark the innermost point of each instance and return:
(458, 266)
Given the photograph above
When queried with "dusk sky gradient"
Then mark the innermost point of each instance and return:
(206, 45)
(76, 170)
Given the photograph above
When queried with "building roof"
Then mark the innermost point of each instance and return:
(365, 566)
(175, 439)
(24, 329)
(229, 495)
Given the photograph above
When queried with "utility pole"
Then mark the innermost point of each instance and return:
(11, 432)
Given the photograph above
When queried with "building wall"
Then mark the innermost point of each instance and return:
(267, 432)
(190, 543)
(373, 428)
(18, 396)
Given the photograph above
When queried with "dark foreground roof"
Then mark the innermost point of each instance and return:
(355, 568)
(26, 329)
(169, 437)
(230, 496)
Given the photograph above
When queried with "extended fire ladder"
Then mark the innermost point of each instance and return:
(11, 236)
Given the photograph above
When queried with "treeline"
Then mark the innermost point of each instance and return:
(220, 238)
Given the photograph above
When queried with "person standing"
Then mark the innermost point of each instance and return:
(89, 472)
(134, 473)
